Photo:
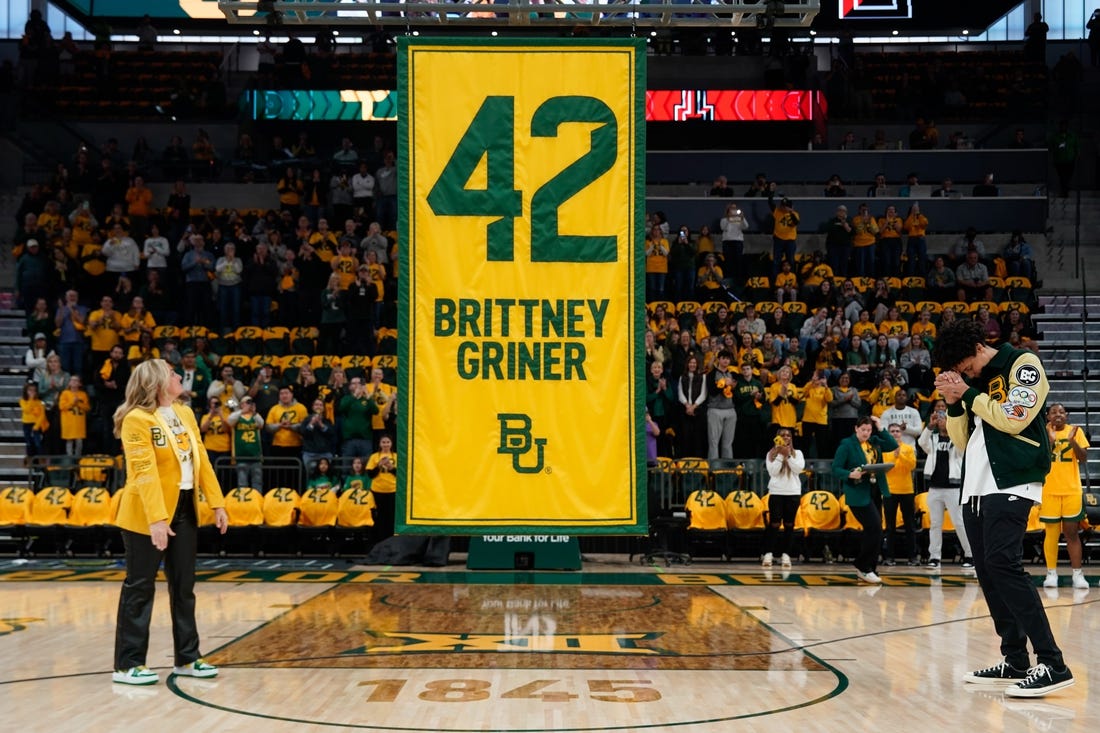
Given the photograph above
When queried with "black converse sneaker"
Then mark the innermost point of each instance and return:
(1042, 679)
(1001, 673)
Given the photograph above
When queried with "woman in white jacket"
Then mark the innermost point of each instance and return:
(784, 463)
(733, 226)
(943, 477)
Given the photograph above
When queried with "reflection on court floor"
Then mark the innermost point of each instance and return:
(331, 649)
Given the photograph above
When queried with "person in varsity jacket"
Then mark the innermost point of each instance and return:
(166, 468)
(994, 401)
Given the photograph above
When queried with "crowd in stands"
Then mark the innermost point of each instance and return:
(865, 307)
(281, 326)
(811, 341)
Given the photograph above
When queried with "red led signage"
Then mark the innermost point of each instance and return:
(734, 105)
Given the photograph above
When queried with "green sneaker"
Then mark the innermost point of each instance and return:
(197, 668)
(141, 675)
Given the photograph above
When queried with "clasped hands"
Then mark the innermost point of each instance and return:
(951, 386)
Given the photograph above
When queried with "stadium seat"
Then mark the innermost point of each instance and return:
(1020, 288)
(726, 475)
(92, 512)
(187, 335)
(49, 515)
(91, 505)
(94, 470)
(652, 306)
(323, 364)
(713, 306)
(245, 507)
(706, 533)
(693, 474)
(820, 522)
(356, 365)
(960, 307)
(280, 507)
(999, 290)
(388, 364)
(276, 340)
(163, 333)
(387, 341)
(687, 307)
(933, 307)
(746, 514)
(242, 365)
(912, 288)
(249, 340)
(15, 505)
(767, 307)
(356, 508)
(303, 340)
(758, 288)
(977, 305)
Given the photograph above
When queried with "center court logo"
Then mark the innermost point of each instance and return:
(516, 439)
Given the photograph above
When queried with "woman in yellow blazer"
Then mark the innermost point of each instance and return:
(166, 465)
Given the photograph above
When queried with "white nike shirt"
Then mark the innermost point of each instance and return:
(978, 474)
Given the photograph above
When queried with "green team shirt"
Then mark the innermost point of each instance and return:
(357, 413)
(246, 438)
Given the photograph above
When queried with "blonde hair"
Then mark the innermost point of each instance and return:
(147, 383)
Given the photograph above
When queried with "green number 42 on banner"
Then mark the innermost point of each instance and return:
(491, 135)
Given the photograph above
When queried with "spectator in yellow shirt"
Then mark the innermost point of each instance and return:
(345, 265)
(784, 232)
(74, 406)
(324, 241)
(786, 285)
(139, 206)
(656, 264)
(900, 481)
(784, 398)
(103, 328)
(864, 236)
(34, 419)
(890, 227)
(923, 329)
(816, 437)
(916, 246)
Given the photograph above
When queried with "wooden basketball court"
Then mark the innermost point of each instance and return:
(326, 646)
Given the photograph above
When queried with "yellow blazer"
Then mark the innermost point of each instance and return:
(153, 470)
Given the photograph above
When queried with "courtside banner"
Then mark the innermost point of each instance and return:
(521, 297)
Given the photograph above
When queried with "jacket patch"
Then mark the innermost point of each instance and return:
(1028, 375)
(1014, 412)
(1023, 396)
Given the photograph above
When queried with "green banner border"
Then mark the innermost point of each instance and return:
(405, 295)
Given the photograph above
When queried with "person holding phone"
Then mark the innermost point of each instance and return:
(943, 477)
(863, 489)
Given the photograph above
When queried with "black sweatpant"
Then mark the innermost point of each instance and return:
(995, 526)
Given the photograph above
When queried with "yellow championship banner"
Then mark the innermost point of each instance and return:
(521, 302)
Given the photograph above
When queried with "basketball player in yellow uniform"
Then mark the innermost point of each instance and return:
(1062, 506)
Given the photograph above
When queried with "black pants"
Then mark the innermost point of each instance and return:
(135, 603)
(890, 505)
(871, 538)
(385, 505)
(820, 437)
(995, 526)
(782, 509)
